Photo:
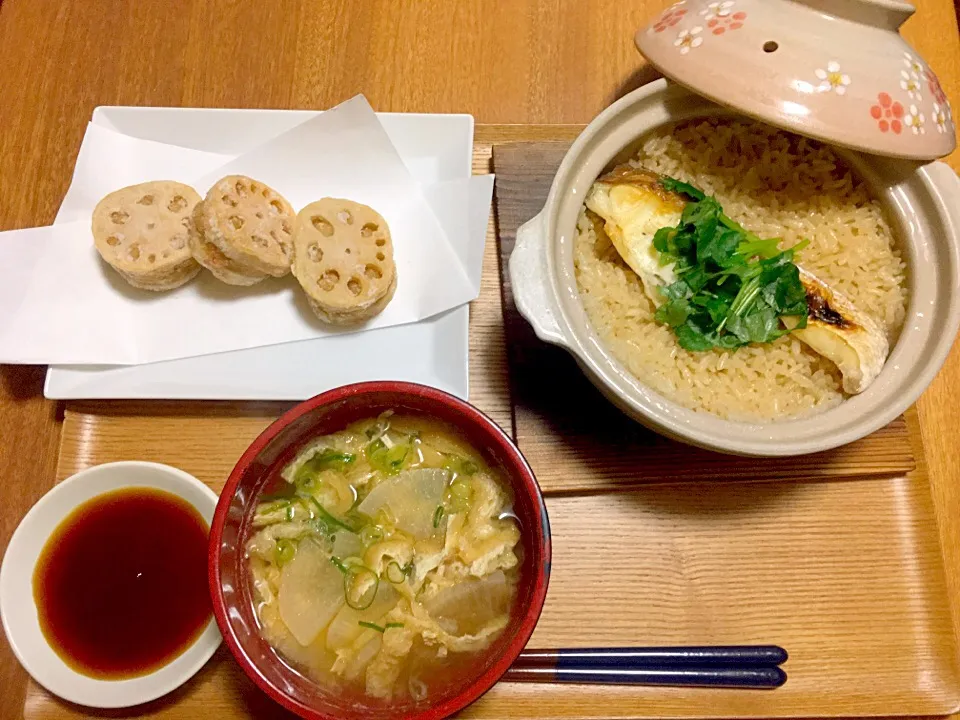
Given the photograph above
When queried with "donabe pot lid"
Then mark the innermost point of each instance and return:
(835, 70)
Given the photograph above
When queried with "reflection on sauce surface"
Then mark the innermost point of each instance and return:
(121, 586)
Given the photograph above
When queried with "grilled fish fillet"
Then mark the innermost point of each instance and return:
(839, 331)
(633, 206)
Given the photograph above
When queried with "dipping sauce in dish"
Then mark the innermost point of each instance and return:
(121, 584)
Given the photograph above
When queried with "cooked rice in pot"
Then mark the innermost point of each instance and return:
(775, 184)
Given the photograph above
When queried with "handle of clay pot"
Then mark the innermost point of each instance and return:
(529, 278)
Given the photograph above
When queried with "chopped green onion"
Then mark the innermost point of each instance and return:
(397, 574)
(460, 494)
(338, 564)
(325, 515)
(370, 534)
(285, 551)
(372, 626)
(386, 458)
(459, 465)
(437, 516)
(393, 625)
(290, 512)
(353, 574)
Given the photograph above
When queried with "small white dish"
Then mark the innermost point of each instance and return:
(436, 149)
(19, 611)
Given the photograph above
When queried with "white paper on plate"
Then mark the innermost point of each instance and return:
(65, 306)
(308, 367)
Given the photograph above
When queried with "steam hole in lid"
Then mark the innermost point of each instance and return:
(354, 286)
(770, 46)
(345, 217)
(323, 225)
(177, 205)
(381, 242)
(227, 200)
(373, 272)
(236, 221)
(380, 256)
(119, 217)
(369, 229)
(314, 252)
(145, 200)
(328, 281)
(113, 241)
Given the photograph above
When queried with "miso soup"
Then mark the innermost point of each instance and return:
(388, 563)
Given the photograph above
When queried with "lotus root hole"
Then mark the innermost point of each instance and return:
(381, 256)
(178, 242)
(178, 204)
(113, 241)
(119, 217)
(354, 286)
(236, 221)
(381, 242)
(151, 258)
(151, 226)
(185, 222)
(373, 272)
(227, 200)
(285, 226)
(369, 229)
(165, 254)
(273, 234)
(348, 251)
(145, 200)
(254, 187)
(345, 217)
(314, 252)
(266, 193)
(323, 225)
(276, 205)
(134, 252)
(260, 241)
(240, 188)
(259, 214)
(329, 280)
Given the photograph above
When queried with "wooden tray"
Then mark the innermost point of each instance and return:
(654, 543)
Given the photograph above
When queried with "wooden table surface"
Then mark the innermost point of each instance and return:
(504, 61)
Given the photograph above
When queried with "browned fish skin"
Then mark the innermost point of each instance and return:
(820, 309)
(638, 177)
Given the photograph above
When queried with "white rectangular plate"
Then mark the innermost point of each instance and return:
(436, 148)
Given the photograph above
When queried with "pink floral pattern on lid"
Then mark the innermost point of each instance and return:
(670, 17)
(721, 16)
(888, 114)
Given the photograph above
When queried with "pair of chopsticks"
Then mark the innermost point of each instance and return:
(735, 666)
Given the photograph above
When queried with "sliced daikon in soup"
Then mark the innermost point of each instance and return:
(412, 499)
(311, 592)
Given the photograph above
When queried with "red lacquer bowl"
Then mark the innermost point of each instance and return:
(260, 466)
